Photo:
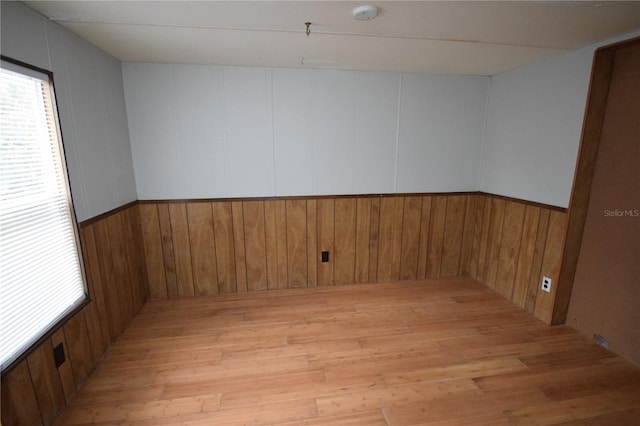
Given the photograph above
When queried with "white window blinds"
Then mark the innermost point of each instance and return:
(41, 278)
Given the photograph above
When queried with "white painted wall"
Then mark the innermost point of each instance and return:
(209, 131)
(90, 97)
(534, 125)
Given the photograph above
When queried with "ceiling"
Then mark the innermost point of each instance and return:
(476, 37)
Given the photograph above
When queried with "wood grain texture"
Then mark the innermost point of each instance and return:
(136, 257)
(113, 309)
(436, 236)
(390, 238)
(121, 277)
(65, 370)
(510, 244)
(374, 240)
(423, 352)
(474, 262)
(153, 253)
(296, 226)
(166, 236)
(595, 114)
(312, 243)
(525, 257)
(345, 240)
(255, 245)
(46, 383)
(363, 232)
(496, 220)
(410, 246)
(19, 403)
(493, 239)
(281, 243)
(551, 262)
(203, 248)
(79, 347)
(509, 248)
(326, 235)
(96, 292)
(225, 259)
(453, 235)
(239, 254)
(425, 232)
(181, 249)
(536, 263)
(467, 236)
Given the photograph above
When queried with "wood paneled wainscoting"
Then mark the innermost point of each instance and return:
(227, 246)
(515, 244)
(34, 392)
(202, 248)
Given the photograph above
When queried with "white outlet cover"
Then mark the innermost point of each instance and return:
(546, 284)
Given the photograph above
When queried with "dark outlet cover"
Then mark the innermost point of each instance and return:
(58, 355)
(325, 256)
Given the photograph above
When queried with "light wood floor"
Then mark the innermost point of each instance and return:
(434, 352)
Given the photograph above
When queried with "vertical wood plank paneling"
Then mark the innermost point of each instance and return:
(474, 263)
(552, 259)
(398, 214)
(94, 331)
(425, 226)
(167, 250)
(467, 236)
(484, 239)
(453, 234)
(135, 256)
(276, 234)
(312, 244)
(411, 221)
(509, 248)
(536, 263)
(239, 247)
(386, 239)
(525, 257)
(271, 244)
(203, 248)
(225, 261)
(46, 383)
(96, 291)
(65, 370)
(18, 398)
(109, 285)
(75, 331)
(345, 240)
(493, 242)
(326, 223)
(281, 237)
(436, 236)
(255, 245)
(181, 249)
(374, 239)
(363, 231)
(296, 243)
(153, 254)
(121, 282)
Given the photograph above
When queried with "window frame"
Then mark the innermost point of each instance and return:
(46, 334)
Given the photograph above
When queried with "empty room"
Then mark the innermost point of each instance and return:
(320, 213)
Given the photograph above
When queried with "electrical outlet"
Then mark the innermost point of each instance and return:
(58, 355)
(325, 256)
(546, 284)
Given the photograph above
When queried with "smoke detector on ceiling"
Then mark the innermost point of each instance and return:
(365, 13)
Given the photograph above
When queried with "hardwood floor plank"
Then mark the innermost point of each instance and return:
(438, 352)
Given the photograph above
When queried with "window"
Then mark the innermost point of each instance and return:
(41, 275)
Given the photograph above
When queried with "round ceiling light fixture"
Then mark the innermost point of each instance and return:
(365, 13)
